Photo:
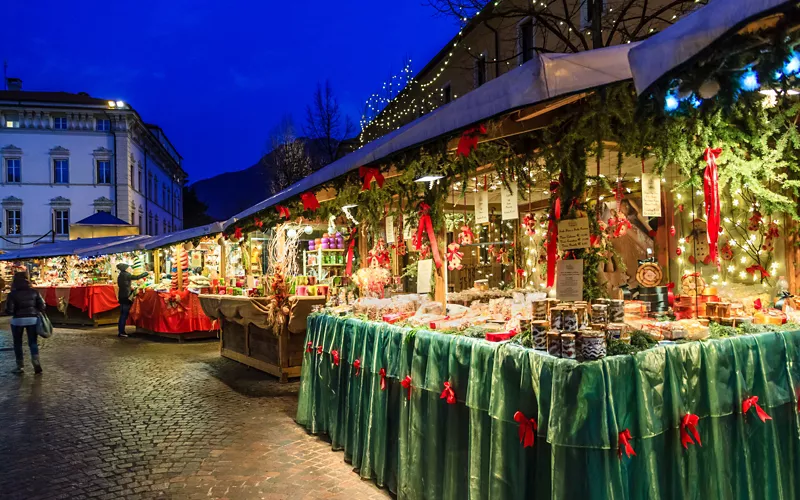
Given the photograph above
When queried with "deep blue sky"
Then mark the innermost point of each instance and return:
(217, 76)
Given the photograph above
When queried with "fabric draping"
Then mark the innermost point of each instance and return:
(94, 299)
(241, 310)
(173, 312)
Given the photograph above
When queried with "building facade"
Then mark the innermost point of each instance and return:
(66, 156)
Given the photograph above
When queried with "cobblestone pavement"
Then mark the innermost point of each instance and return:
(138, 418)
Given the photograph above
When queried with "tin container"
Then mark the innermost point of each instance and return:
(599, 313)
(711, 310)
(524, 325)
(593, 345)
(539, 334)
(568, 350)
(724, 309)
(554, 343)
(569, 319)
(582, 309)
(615, 330)
(539, 309)
(616, 311)
(556, 318)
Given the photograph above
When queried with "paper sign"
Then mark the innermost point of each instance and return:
(573, 233)
(424, 268)
(408, 231)
(651, 195)
(481, 207)
(509, 201)
(569, 280)
(389, 229)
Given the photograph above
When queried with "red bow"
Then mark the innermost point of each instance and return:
(757, 304)
(753, 401)
(426, 225)
(625, 444)
(520, 272)
(259, 223)
(308, 347)
(382, 373)
(309, 200)
(527, 429)
(406, 382)
(237, 233)
(369, 173)
(350, 246)
(335, 355)
(319, 349)
(711, 191)
(469, 140)
(552, 235)
(448, 393)
(282, 211)
(357, 366)
(689, 425)
(752, 270)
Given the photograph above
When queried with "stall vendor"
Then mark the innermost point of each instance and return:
(125, 300)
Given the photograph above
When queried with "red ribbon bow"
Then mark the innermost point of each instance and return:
(751, 402)
(757, 304)
(625, 444)
(357, 366)
(282, 211)
(426, 225)
(382, 373)
(237, 233)
(552, 235)
(309, 200)
(448, 393)
(689, 425)
(319, 349)
(335, 355)
(469, 140)
(259, 223)
(752, 270)
(711, 192)
(308, 347)
(369, 173)
(527, 429)
(348, 270)
(406, 382)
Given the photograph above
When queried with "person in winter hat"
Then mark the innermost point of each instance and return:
(24, 304)
(125, 294)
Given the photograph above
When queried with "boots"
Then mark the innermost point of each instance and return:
(20, 369)
(37, 367)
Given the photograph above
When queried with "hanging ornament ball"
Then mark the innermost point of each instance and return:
(291, 233)
(678, 251)
(308, 229)
(188, 246)
(672, 230)
(684, 93)
(708, 89)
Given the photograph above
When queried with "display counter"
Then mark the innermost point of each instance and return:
(91, 305)
(175, 314)
(522, 424)
(255, 333)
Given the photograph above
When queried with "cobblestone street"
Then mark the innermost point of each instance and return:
(142, 418)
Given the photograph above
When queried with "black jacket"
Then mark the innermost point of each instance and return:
(24, 303)
(124, 284)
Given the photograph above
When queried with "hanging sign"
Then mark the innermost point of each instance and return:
(509, 201)
(424, 268)
(481, 207)
(651, 195)
(573, 233)
(569, 280)
(390, 229)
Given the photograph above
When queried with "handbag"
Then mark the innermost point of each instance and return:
(44, 328)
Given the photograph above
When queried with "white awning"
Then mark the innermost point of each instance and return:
(185, 235)
(538, 80)
(129, 245)
(677, 44)
(71, 247)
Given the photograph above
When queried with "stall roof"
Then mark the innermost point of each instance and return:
(684, 40)
(538, 80)
(185, 235)
(61, 248)
(130, 244)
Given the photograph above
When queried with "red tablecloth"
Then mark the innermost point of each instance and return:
(172, 312)
(93, 299)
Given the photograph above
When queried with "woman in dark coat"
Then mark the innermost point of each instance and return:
(24, 305)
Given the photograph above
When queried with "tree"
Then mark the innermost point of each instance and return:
(325, 123)
(287, 159)
(195, 212)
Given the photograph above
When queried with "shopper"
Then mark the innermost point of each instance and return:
(125, 294)
(24, 305)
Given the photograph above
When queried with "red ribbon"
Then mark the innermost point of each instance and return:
(552, 236)
(259, 223)
(711, 191)
(752, 270)
(448, 393)
(350, 246)
(282, 211)
(382, 373)
(237, 233)
(357, 366)
(369, 173)
(335, 355)
(469, 140)
(426, 225)
(406, 382)
(751, 402)
(625, 444)
(309, 200)
(527, 429)
(689, 425)
(309, 348)
(319, 349)
(757, 304)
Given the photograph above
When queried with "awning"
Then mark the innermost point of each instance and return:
(102, 219)
(684, 40)
(538, 80)
(131, 244)
(62, 248)
(185, 235)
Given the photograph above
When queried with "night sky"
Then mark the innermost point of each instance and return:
(217, 76)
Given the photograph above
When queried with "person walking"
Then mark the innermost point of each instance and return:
(24, 304)
(125, 295)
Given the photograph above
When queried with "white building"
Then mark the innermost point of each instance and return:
(66, 156)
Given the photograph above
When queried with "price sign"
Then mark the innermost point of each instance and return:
(481, 207)
(651, 195)
(573, 233)
(569, 280)
(509, 201)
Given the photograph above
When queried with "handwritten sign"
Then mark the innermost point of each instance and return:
(509, 201)
(569, 280)
(424, 268)
(481, 207)
(389, 229)
(651, 195)
(573, 233)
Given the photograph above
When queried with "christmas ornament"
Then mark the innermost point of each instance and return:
(649, 274)
(379, 255)
(708, 89)
(672, 230)
(726, 252)
(552, 233)
(752, 402)
(282, 211)
(752, 270)
(692, 284)
(712, 203)
(426, 226)
(529, 223)
(754, 221)
(368, 174)
(618, 224)
(689, 429)
(769, 237)
(698, 239)
(678, 251)
(527, 429)
(309, 200)
(466, 236)
(237, 233)
(469, 140)
(454, 257)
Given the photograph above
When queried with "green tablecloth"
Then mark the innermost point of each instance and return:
(423, 447)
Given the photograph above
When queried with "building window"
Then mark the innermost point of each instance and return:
(526, 41)
(61, 171)
(103, 172)
(139, 178)
(12, 120)
(133, 186)
(165, 227)
(103, 125)
(60, 123)
(13, 170)
(164, 196)
(14, 221)
(480, 70)
(62, 221)
(155, 226)
(447, 94)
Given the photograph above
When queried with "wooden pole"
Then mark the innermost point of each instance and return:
(223, 262)
(179, 266)
(440, 286)
(157, 265)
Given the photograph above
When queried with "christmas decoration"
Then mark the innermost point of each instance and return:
(379, 255)
(692, 284)
(309, 200)
(382, 374)
(618, 224)
(469, 140)
(529, 223)
(282, 211)
(625, 444)
(552, 233)
(368, 174)
(752, 402)
(454, 257)
(700, 241)
(426, 226)
(689, 429)
(449, 394)
(527, 429)
(754, 221)
(406, 383)
(712, 203)
(726, 252)
(708, 89)
(466, 236)
(237, 233)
